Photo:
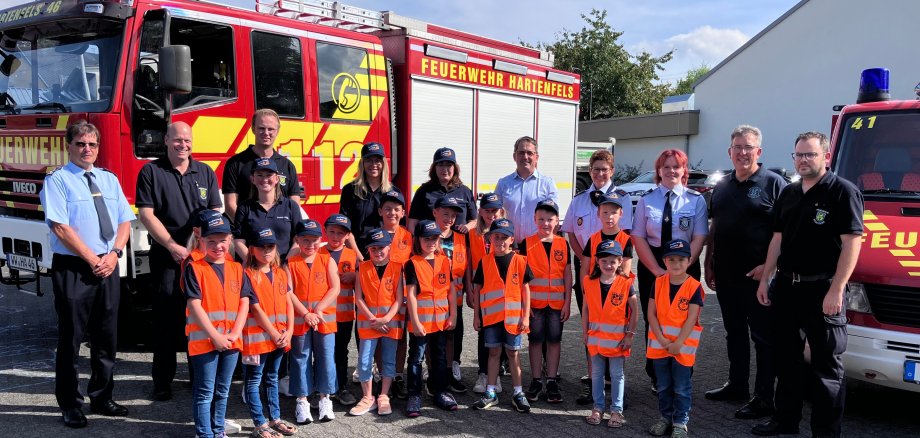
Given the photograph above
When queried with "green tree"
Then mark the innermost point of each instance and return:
(614, 82)
(685, 85)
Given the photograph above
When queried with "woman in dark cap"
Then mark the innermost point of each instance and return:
(444, 180)
(362, 197)
(266, 207)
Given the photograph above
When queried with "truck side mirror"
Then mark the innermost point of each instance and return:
(175, 69)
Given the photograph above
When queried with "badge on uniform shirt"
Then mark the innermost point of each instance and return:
(754, 192)
(346, 266)
(820, 216)
(282, 179)
(557, 254)
(388, 283)
(616, 299)
(581, 221)
(442, 278)
(319, 277)
(403, 244)
(684, 223)
(683, 304)
(203, 192)
(461, 257)
(514, 278)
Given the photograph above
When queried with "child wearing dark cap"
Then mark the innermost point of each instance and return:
(674, 336)
(392, 210)
(337, 231)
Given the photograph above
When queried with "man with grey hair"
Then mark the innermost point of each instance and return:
(742, 215)
(524, 188)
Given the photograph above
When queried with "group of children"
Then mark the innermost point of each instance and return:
(413, 287)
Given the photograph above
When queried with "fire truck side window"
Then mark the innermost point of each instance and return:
(213, 66)
(278, 73)
(344, 88)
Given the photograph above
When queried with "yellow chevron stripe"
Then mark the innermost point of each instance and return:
(869, 216)
(875, 226)
(216, 134)
(62, 123)
(910, 263)
(902, 252)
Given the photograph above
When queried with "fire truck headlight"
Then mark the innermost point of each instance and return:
(857, 300)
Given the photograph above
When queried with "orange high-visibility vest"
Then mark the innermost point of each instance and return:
(547, 287)
(671, 317)
(219, 299)
(502, 300)
(607, 321)
(621, 237)
(401, 248)
(433, 294)
(272, 297)
(477, 248)
(458, 264)
(379, 295)
(193, 256)
(310, 286)
(345, 303)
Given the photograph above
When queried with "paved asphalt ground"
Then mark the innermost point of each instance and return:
(28, 332)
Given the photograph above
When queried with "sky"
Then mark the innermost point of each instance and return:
(701, 32)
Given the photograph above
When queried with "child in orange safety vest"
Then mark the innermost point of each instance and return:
(392, 209)
(268, 331)
(378, 297)
(674, 336)
(609, 316)
(431, 313)
(217, 294)
(337, 232)
(490, 208)
(315, 280)
(502, 297)
(550, 299)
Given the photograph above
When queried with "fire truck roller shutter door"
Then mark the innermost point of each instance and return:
(442, 116)
(556, 136)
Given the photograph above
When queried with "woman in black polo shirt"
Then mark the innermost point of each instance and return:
(267, 207)
(361, 197)
(444, 180)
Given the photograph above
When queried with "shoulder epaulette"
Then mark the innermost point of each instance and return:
(648, 192)
(694, 192)
(106, 170)
(621, 192)
(52, 170)
(581, 192)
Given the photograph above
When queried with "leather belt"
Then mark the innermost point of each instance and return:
(798, 278)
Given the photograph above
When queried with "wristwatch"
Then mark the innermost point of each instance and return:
(118, 252)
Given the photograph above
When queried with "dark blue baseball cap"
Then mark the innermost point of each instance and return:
(204, 216)
(340, 220)
(372, 149)
(547, 205)
(608, 248)
(449, 202)
(610, 198)
(490, 200)
(378, 237)
(677, 247)
(444, 154)
(427, 228)
(393, 195)
(265, 164)
(262, 237)
(503, 226)
(308, 227)
(212, 222)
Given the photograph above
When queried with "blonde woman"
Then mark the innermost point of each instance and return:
(361, 198)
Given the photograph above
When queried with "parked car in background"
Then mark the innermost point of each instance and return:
(639, 186)
(790, 177)
(703, 181)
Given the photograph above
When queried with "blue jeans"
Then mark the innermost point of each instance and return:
(252, 375)
(387, 356)
(496, 335)
(213, 372)
(674, 390)
(312, 350)
(599, 365)
(437, 375)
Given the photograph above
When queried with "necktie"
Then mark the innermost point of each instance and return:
(105, 222)
(666, 220)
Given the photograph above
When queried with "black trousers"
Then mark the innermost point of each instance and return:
(798, 317)
(741, 315)
(169, 305)
(85, 304)
(436, 345)
(647, 289)
(343, 334)
(455, 335)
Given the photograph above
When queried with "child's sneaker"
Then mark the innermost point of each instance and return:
(424, 373)
(487, 401)
(232, 427)
(446, 401)
(660, 428)
(679, 431)
(553, 394)
(481, 382)
(498, 386)
(376, 374)
(365, 405)
(302, 412)
(455, 370)
(325, 409)
(399, 388)
(284, 385)
(585, 398)
(383, 405)
(414, 406)
(354, 376)
(536, 387)
(520, 403)
(455, 386)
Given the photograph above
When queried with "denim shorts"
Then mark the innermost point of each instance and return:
(495, 335)
(545, 326)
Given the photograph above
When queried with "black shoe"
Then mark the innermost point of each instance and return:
(553, 394)
(162, 394)
(109, 408)
(455, 386)
(728, 392)
(754, 409)
(586, 380)
(399, 388)
(585, 398)
(74, 418)
(773, 428)
(533, 393)
(654, 388)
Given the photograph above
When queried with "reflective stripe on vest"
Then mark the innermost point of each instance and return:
(220, 299)
(502, 300)
(272, 298)
(607, 320)
(671, 316)
(311, 283)
(547, 289)
(434, 292)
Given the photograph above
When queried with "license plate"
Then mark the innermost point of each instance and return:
(911, 371)
(21, 262)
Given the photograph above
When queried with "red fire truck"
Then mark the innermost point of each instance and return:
(339, 76)
(875, 145)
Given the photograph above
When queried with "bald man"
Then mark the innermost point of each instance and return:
(170, 191)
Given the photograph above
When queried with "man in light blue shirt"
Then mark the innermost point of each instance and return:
(90, 220)
(524, 188)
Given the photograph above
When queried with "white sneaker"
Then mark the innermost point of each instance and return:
(325, 409)
(354, 376)
(302, 412)
(481, 382)
(376, 374)
(455, 369)
(424, 373)
(231, 427)
(498, 386)
(284, 385)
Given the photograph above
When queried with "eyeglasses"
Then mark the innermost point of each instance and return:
(745, 149)
(806, 155)
(601, 170)
(83, 144)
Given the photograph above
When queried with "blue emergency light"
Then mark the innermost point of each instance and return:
(873, 85)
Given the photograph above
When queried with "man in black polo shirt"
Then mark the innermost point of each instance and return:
(236, 183)
(740, 232)
(816, 240)
(169, 192)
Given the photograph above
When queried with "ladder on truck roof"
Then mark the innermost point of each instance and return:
(328, 13)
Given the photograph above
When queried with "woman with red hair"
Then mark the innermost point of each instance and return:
(670, 211)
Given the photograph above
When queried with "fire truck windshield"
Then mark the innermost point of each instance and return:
(880, 153)
(61, 66)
